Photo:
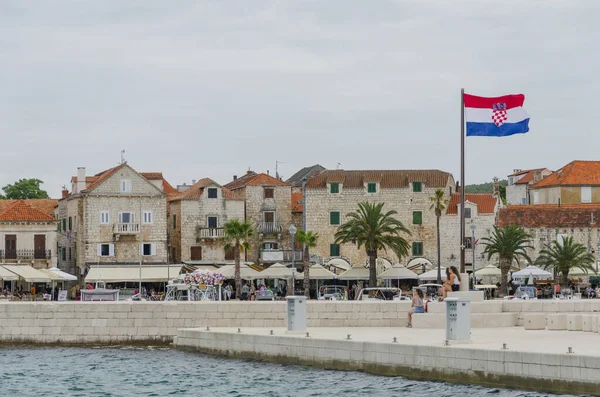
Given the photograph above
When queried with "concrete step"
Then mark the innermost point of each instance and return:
(478, 320)
(476, 307)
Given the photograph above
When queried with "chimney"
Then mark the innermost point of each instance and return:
(65, 193)
(516, 170)
(496, 192)
(80, 179)
(267, 172)
(537, 176)
(235, 177)
(193, 181)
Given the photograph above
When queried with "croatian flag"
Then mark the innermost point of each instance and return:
(500, 116)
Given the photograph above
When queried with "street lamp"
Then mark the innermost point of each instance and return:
(292, 231)
(473, 227)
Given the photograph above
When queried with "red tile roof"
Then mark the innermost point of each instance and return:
(578, 173)
(253, 179)
(386, 178)
(158, 176)
(102, 176)
(530, 174)
(27, 210)
(546, 215)
(486, 203)
(88, 179)
(195, 191)
(297, 197)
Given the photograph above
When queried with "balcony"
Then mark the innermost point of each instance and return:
(127, 228)
(270, 227)
(280, 255)
(25, 255)
(211, 232)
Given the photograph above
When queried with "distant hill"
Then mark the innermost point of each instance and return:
(488, 188)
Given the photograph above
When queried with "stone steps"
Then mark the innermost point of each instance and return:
(476, 307)
(478, 320)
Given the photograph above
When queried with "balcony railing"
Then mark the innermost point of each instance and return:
(25, 254)
(211, 232)
(270, 227)
(280, 255)
(127, 228)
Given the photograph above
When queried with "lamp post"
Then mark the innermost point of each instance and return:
(292, 231)
(473, 227)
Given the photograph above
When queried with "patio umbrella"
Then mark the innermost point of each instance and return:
(532, 271)
(277, 271)
(399, 272)
(356, 272)
(246, 272)
(432, 275)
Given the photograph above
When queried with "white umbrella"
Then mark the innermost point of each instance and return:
(276, 271)
(432, 275)
(398, 272)
(339, 263)
(317, 272)
(530, 281)
(532, 271)
(356, 272)
(489, 270)
(246, 272)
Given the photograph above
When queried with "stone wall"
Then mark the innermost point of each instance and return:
(174, 233)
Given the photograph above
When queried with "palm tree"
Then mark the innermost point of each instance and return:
(564, 257)
(438, 204)
(509, 243)
(370, 227)
(237, 233)
(309, 239)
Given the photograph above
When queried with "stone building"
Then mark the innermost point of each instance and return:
(332, 194)
(268, 208)
(116, 217)
(481, 210)
(196, 219)
(576, 183)
(28, 232)
(517, 189)
(548, 223)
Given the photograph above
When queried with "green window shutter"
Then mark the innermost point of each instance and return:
(372, 188)
(70, 223)
(64, 224)
(417, 187)
(174, 221)
(417, 249)
(59, 226)
(334, 250)
(417, 217)
(334, 188)
(334, 218)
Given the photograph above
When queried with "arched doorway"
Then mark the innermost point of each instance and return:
(419, 265)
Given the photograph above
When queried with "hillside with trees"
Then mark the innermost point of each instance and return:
(488, 188)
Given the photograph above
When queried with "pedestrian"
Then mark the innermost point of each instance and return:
(417, 305)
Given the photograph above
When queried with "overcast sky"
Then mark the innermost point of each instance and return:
(213, 87)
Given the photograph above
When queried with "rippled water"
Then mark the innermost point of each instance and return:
(128, 372)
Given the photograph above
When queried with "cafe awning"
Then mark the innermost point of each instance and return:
(28, 273)
(64, 276)
(356, 272)
(7, 275)
(131, 273)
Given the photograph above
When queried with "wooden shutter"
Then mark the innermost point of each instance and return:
(111, 250)
(417, 218)
(334, 218)
(99, 249)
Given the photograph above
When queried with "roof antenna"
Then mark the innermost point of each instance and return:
(338, 166)
(277, 168)
(123, 156)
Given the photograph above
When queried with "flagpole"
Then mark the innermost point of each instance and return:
(462, 180)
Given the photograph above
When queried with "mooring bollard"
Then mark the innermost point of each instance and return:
(349, 337)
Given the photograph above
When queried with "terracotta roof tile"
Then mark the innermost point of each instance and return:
(158, 176)
(521, 172)
(296, 198)
(152, 175)
(387, 178)
(23, 211)
(582, 173)
(486, 203)
(542, 215)
(195, 191)
(88, 179)
(254, 179)
(102, 176)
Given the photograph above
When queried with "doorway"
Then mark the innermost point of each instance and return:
(10, 246)
(39, 246)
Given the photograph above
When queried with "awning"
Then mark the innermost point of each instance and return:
(28, 273)
(356, 272)
(398, 272)
(246, 272)
(277, 271)
(63, 275)
(7, 275)
(317, 272)
(131, 273)
(431, 275)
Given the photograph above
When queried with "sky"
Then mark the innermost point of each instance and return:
(213, 88)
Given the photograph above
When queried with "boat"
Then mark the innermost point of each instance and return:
(332, 293)
(100, 293)
(380, 294)
(178, 290)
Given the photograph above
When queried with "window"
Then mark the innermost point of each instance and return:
(468, 242)
(106, 250)
(70, 253)
(536, 197)
(270, 246)
(269, 192)
(371, 188)
(334, 218)
(125, 186)
(148, 249)
(63, 254)
(70, 223)
(269, 216)
(417, 217)
(511, 181)
(334, 188)
(196, 253)
(417, 249)
(64, 226)
(104, 218)
(147, 217)
(59, 228)
(126, 217)
(212, 192)
(467, 212)
(417, 187)
(229, 254)
(174, 221)
(523, 200)
(334, 250)
(212, 222)
(586, 194)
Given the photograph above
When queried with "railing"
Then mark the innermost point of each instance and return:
(280, 255)
(25, 254)
(211, 232)
(270, 227)
(127, 228)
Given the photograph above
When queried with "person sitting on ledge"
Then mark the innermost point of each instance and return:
(417, 305)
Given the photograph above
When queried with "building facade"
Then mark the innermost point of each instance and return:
(268, 208)
(519, 182)
(332, 194)
(115, 217)
(576, 183)
(28, 232)
(196, 219)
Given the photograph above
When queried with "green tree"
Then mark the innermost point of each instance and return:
(309, 240)
(564, 257)
(25, 189)
(370, 227)
(509, 243)
(237, 234)
(438, 205)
